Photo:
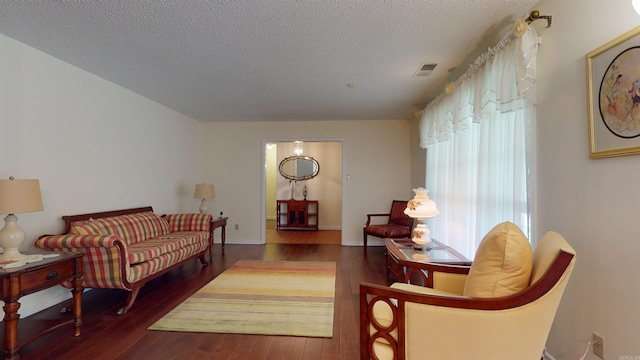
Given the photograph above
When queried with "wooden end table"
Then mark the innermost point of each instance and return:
(31, 278)
(220, 222)
(402, 249)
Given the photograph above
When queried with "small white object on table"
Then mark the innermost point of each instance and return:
(29, 259)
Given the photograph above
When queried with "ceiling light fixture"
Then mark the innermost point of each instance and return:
(297, 148)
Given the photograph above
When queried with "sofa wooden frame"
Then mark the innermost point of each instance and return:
(132, 288)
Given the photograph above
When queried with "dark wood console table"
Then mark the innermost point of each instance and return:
(31, 278)
(297, 215)
(220, 222)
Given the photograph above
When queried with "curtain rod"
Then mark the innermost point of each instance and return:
(535, 15)
(518, 30)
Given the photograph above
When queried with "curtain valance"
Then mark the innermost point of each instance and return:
(501, 79)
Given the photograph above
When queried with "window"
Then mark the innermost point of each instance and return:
(479, 143)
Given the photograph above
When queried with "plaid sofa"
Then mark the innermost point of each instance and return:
(125, 251)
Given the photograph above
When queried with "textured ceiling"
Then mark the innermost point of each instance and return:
(266, 60)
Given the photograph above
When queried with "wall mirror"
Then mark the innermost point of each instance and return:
(299, 168)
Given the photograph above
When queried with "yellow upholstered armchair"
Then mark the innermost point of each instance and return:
(502, 307)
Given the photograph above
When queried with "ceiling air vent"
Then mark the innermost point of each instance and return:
(425, 69)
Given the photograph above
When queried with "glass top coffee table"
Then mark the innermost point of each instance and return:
(435, 252)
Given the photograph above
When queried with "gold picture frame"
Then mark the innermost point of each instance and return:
(613, 97)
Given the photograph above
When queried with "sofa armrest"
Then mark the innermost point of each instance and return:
(69, 242)
(106, 262)
(189, 222)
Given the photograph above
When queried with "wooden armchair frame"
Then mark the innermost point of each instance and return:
(397, 299)
(398, 225)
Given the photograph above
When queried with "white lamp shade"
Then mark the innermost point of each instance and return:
(636, 6)
(20, 196)
(204, 191)
(421, 206)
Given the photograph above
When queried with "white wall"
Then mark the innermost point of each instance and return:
(94, 146)
(376, 157)
(271, 169)
(593, 203)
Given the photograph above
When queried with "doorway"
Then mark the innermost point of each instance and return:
(326, 188)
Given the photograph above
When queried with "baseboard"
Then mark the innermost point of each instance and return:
(329, 227)
(238, 242)
(45, 299)
(374, 241)
(547, 356)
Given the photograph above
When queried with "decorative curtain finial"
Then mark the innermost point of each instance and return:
(520, 27)
(535, 15)
(449, 88)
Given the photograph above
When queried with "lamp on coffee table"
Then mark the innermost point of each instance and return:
(421, 208)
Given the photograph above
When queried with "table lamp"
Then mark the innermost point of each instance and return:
(16, 196)
(204, 191)
(421, 208)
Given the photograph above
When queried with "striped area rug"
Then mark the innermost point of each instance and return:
(294, 298)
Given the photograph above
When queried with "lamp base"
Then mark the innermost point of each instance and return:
(421, 236)
(11, 255)
(420, 244)
(203, 207)
(11, 237)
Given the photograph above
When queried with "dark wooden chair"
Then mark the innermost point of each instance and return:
(398, 225)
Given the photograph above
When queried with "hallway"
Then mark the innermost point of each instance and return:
(333, 237)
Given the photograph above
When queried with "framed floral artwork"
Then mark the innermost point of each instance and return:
(613, 97)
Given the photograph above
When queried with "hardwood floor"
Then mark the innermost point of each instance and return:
(301, 237)
(329, 237)
(108, 336)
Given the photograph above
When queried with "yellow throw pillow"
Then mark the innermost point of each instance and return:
(502, 265)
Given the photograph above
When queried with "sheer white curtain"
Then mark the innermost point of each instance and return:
(479, 142)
